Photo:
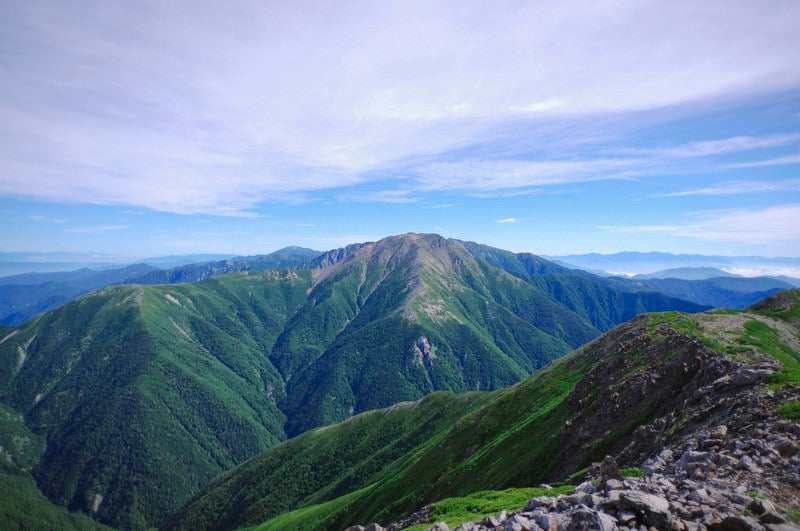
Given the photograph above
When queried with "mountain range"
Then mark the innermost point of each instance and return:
(126, 401)
(668, 265)
(144, 392)
(24, 295)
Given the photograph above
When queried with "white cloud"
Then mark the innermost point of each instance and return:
(741, 187)
(215, 107)
(494, 175)
(508, 220)
(380, 196)
(764, 227)
(789, 159)
(720, 146)
(96, 230)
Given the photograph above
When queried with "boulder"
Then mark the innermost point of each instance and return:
(586, 519)
(737, 522)
(651, 510)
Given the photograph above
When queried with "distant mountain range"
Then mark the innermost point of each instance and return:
(143, 393)
(24, 295)
(17, 263)
(666, 265)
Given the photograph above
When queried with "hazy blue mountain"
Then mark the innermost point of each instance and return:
(632, 263)
(687, 273)
(288, 257)
(25, 295)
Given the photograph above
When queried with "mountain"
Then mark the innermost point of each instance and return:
(25, 295)
(16, 263)
(720, 292)
(143, 393)
(632, 263)
(288, 257)
(702, 397)
(686, 273)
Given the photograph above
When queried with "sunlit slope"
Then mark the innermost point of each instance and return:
(643, 375)
(145, 393)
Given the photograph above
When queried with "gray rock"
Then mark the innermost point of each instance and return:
(785, 447)
(519, 522)
(615, 484)
(609, 469)
(548, 521)
(737, 522)
(439, 526)
(719, 432)
(495, 521)
(374, 527)
(541, 501)
(761, 506)
(586, 519)
(651, 510)
(772, 517)
(722, 381)
(746, 376)
(782, 527)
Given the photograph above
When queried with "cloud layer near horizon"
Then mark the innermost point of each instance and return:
(215, 107)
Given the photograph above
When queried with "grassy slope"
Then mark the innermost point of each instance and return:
(516, 438)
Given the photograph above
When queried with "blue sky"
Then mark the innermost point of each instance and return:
(155, 128)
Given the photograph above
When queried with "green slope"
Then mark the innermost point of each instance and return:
(144, 393)
(413, 315)
(22, 506)
(576, 410)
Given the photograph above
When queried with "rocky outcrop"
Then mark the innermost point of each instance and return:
(744, 475)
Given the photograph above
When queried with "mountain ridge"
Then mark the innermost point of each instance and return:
(200, 376)
(225, 367)
(661, 379)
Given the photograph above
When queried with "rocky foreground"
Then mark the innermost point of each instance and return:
(743, 474)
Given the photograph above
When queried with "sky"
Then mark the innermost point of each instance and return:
(150, 128)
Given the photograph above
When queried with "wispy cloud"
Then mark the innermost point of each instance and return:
(96, 230)
(741, 187)
(767, 226)
(509, 220)
(218, 108)
(493, 175)
(718, 147)
(789, 159)
(380, 196)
